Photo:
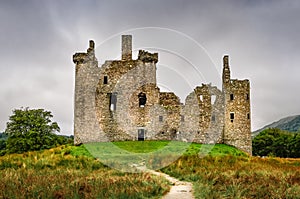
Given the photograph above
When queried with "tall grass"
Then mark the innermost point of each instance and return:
(238, 177)
(218, 171)
(55, 173)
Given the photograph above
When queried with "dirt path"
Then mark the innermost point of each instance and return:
(179, 189)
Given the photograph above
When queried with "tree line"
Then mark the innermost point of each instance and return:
(276, 142)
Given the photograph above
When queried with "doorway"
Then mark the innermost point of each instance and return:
(141, 134)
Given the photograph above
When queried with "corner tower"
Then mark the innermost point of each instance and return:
(237, 117)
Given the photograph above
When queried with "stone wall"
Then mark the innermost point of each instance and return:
(203, 115)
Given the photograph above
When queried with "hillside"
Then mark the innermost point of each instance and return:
(291, 123)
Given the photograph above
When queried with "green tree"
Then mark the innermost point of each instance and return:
(277, 142)
(294, 145)
(2, 144)
(31, 129)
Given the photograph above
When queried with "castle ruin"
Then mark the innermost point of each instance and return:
(121, 101)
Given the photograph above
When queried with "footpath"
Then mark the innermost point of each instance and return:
(179, 189)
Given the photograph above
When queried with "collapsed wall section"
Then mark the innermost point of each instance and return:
(203, 115)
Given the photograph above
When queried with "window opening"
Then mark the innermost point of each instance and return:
(201, 97)
(231, 117)
(213, 118)
(213, 99)
(105, 80)
(160, 118)
(231, 97)
(142, 99)
(113, 101)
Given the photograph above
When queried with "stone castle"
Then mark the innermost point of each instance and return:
(121, 101)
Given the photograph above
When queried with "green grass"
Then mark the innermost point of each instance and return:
(213, 150)
(154, 154)
(141, 146)
(175, 147)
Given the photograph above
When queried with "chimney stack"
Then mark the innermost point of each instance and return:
(126, 47)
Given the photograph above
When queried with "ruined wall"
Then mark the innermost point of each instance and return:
(204, 115)
(121, 101)
(171, 118)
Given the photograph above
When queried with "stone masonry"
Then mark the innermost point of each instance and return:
(121, 101)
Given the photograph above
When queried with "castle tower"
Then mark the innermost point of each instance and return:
(86, 79)
(237, 117)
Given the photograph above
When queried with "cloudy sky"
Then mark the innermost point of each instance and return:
(38, 39)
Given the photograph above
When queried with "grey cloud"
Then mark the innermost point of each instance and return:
(38, 39)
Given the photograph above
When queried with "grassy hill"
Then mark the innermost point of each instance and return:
(218, 171)
(153, 154)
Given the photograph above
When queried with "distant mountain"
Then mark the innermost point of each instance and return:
(291, 123)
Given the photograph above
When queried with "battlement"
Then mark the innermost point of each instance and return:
(147, 57)
(80, 58)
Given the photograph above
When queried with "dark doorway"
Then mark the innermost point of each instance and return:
(141, 134)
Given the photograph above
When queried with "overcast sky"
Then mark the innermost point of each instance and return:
(38, 39)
